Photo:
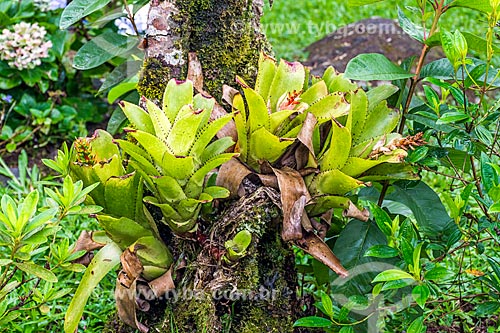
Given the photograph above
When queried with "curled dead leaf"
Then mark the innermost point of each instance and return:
(131, 268)
(354, 212)
(161, 285)
(86, 242)
(294, 196)
(313, 245)
(126, 304)
(231, 174)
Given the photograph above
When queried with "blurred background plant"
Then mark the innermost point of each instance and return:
(47, 94)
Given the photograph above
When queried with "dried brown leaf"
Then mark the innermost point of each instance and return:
(294, 196)
(313, 245)
(305, 135)
(131, 268)
(354, 212)
(231, 174)
(161, 285)
(126, 306)
(85, 242)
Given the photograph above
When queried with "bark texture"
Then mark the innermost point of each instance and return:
(255, 294)
(225, 34)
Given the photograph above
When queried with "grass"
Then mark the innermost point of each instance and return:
(293, 25)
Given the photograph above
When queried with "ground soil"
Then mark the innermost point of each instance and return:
(373, 35)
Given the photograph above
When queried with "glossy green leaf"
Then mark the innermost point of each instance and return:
(413, 30)
(417, 326)
(427, 208)
(289, 77)
(266, 72)
(480, 5)
(312, 321)
(104, 261)
(382, 251)
(206, 135)
(440, 69)
(384, 222)
(374, 66)
(336, 82)
(488, 308)
(177, 95)
(380, 121)
(354, 240)
(120, 73)
(265, 146)
(160, 121)
(340, 145)
(334, 182)
(330, 106)
(489, 178)
(102, 48)
(315, 92)
(78, 9)
(453, 117)
(216, 148)
(123, 231)
(378, 94)
(327, 303)
(438, 273)
(324, 203)
(392, 275)
(257, 111)
(420, 294)
(139, 118)
(183, 132)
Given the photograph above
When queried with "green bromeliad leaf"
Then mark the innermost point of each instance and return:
(175, 157)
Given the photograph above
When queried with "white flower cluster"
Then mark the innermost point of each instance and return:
(24, 47)
(140, 19)
(46, 5)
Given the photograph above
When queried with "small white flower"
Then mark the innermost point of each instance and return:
(24, 46)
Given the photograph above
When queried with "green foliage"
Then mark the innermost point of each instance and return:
(42, 96)
(36, 260)
(176, 152)
(236, 247)
(438, 247)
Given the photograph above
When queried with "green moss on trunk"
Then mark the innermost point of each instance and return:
(255, 294)
(226, 36)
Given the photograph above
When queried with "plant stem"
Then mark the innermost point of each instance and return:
(414, 80)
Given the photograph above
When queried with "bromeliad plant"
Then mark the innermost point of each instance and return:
(316, 141)
(131, 236)
(171, 152)
(176, 152)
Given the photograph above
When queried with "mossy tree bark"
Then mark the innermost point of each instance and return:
(258, 292)
(225, 34)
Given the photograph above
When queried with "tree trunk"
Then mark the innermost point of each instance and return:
(258, 292)
(225, 34)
